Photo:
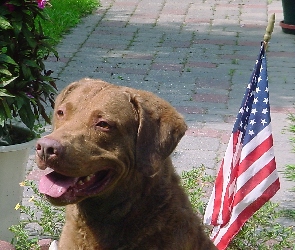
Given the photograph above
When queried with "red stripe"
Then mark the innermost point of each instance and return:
(255, 154)
(246, 214)
(228, 198)
(224, 208)
(227, 203)
(254, 180)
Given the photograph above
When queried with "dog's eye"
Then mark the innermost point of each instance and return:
(103, 125)
(60, 112)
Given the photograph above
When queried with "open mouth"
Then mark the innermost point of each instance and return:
(57, 185)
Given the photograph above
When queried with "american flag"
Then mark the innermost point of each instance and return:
(247, 177)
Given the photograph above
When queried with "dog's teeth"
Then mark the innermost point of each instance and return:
(89, 177)
(80, 183)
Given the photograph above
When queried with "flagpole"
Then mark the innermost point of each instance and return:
(247, 176)
(269, 29)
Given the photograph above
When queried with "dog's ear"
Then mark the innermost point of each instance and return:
(160, 129)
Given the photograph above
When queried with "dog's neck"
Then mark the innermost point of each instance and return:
(108, 217)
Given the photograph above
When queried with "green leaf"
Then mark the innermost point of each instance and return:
(20, 101)
(49, 47)
(29, 37)
(27, 116)
(4, 24)
(31, 63)
(6, 109)
(7, 59)
(17, 27)
(4, 92)
(26, 71)
(5, 72)
(8, 82)
(2, 120)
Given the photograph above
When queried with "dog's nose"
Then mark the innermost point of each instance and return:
(47, 148)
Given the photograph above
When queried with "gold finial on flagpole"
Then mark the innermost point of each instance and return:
(269, 29)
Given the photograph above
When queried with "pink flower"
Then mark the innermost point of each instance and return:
(42, 3)
(9, 6)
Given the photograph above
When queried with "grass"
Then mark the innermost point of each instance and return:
(40, 215)
(290, 170)
(261, 231)
(65, 14)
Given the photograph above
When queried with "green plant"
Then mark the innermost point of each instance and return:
(198, 186)
(231, 72)
(63, 15)
(46, 219)
(235, 61)
(290, 170)
(261, 231)
(25, 85)
(289, 213)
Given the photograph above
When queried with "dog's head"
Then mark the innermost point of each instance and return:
(102, 134)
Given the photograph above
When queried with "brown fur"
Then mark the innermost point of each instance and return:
(144, 206)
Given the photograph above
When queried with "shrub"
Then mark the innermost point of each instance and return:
(25, 85)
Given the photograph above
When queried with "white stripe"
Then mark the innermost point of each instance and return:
(229, 157)
(248, 199)
(251, 145)
(226, 173)
(210, 206)
(209, 209)
(255, 168)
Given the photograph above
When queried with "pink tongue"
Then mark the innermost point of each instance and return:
(55, 185)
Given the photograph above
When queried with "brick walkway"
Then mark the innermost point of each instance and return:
(198, 55)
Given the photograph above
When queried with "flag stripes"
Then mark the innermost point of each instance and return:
(225, 234)
(247, 176)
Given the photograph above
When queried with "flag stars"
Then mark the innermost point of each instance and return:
(255, 100)
(251, 132)
(263, 122)
(265, 100)
(264, 111)
(254, 111)
(252, 122)
(241, 124)
(257, 118)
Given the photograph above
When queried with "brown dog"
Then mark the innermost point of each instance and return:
(109, 152)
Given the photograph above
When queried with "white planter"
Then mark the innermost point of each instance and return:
(13, 160)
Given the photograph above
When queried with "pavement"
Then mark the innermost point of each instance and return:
(196, 54)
